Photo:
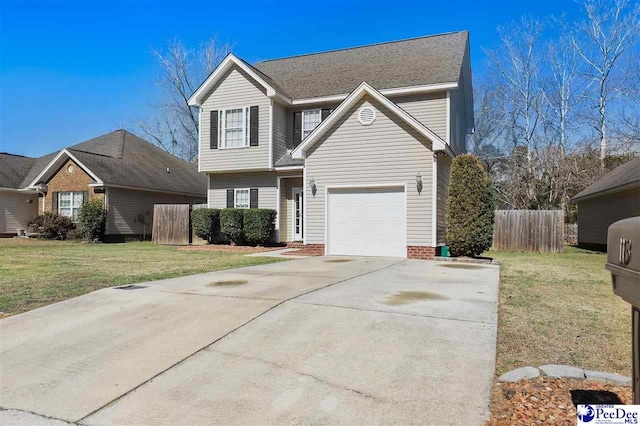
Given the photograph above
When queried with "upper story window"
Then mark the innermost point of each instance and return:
(69, 204)
(234, 128)
(311, 118)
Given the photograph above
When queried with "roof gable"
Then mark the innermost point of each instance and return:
(221, 70)
(362, 90)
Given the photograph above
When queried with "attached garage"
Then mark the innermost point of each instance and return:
(367, 221)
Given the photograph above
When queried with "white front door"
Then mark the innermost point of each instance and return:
(367, 222)
(298, 216)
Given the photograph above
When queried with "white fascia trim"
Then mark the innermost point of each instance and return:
(270, 165)
(448, 138)
(224, 171)
(387, 92)
(365, 89)
(54, 161)
(134, 188)
(229, 61)
(199, 136)
(434, 202)
(22, 190)
(285, 168)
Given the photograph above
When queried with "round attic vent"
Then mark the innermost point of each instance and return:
(366, 116)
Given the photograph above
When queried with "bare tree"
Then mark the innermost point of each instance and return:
(612, 28)
(175, 124)
(563, 91)
(517, 66)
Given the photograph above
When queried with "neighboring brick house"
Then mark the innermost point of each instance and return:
(127, 173)
(352, 147)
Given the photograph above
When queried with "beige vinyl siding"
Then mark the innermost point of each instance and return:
(265, 182)
(125, 208)
(458, 122)
(16, 211)
(444, 172)
(279, 131)
(387, 152)
(430, 109)
(236, 89)
(597, 214)
(286, 207)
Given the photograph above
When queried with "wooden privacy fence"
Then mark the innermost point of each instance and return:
(171, 224)
(529, 230)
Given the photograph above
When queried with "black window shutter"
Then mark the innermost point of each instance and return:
(253, 128)
(325, 113)
(230, 198)
(253, 198)
(85, 196)
(297, 128)
(54, 202)
(213, 130)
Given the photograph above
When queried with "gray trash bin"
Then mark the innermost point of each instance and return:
(623, 260)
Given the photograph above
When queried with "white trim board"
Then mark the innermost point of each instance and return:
(438, 144)
(133, 188)
(428, 88)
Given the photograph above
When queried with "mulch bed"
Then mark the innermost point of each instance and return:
(229, 248)
(550, 401)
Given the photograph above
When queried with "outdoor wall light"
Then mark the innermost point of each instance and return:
(419, 182)
(312, 184)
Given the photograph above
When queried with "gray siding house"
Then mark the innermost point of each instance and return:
(127, 173)
(613, 197)
(351, 147)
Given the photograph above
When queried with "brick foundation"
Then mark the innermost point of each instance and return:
(311, 250)
(421, 252)
(295, 244)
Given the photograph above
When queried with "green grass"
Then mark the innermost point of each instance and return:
(36, 273)
(560, 309)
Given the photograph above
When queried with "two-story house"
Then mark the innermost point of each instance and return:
(351, 147)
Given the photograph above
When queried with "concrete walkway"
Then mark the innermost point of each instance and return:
(317, 340)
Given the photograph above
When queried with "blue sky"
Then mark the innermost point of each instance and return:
(72, 70)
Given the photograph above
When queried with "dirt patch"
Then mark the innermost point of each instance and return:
(227, 283)
(228, 248)
(338, 260)
(407, 297)
(461, 265)
(549, 401)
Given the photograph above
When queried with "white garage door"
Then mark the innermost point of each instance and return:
(366, 222)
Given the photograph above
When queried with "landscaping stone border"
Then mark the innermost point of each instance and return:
(564, 371)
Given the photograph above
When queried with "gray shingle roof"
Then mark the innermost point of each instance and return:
(117, 158)
(287, 161)
(14, 169)
(622, 176)
(415, 62)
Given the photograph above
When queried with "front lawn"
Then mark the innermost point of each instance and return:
(560, 309)
(36, 273)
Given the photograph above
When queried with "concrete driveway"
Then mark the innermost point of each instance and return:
(318, 340)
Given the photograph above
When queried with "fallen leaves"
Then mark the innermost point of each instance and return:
(546, 401)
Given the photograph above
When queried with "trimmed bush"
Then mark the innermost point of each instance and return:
(51, 226)
(470, 208)
(231, 224)
(206, 223)
(92, 219)
(259, 225)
